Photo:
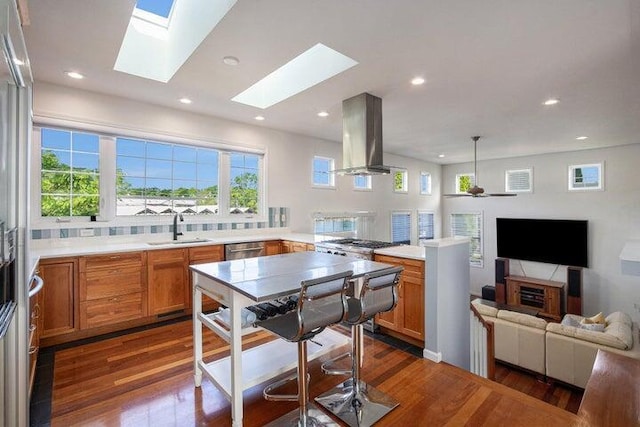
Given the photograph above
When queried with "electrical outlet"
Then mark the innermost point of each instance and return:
(86, 232)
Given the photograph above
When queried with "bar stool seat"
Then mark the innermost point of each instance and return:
(354, 401)
(322, 302)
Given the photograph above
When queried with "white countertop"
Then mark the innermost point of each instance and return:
(404, 251)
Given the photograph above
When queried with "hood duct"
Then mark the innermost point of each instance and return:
(362, 136)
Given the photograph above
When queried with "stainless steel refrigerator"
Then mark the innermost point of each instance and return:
(15, 129)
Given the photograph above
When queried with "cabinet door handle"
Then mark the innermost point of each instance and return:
(114, 257)
(115, 299)
(39, 283)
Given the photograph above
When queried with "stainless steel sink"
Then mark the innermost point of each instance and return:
(178, 242)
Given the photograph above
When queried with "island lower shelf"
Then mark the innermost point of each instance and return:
(269, 360)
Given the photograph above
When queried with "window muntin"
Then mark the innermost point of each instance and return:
(585, 177)
(426, 228)
(70, 173)
(322, 175)
(518, 181)
(400, 181)
(245, 171)
(464, 182)
(425, 183)
(469, 225)
(401, 227)
(155, 178)
(362, 182)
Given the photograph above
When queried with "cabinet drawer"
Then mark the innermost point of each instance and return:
(112, 260)
(412, 267)
(207, 253)
(111, 282)
(112, 310)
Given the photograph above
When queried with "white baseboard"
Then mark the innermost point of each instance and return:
(433, 356)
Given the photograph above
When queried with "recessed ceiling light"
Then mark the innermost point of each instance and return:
(551, 101)
(417, 81)
(441, 155)
(259, 118)
(582, 138)
(185, 100)
(323, 114)
(230, 60)
(311, 67)
(74, 75)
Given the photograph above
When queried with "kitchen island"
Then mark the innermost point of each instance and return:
(241, 283)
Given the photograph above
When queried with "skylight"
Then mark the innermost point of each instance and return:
(157, 7)
(162, 34)
(311, 67)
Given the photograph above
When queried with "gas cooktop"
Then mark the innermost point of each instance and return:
(358, 243)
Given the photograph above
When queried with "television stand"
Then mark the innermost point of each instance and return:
(546, 296)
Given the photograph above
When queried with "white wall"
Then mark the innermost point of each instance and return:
(288, 156)
(613, 215)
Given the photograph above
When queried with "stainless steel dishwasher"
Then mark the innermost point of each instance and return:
(243, 250)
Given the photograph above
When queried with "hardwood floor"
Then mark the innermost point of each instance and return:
(146, 379)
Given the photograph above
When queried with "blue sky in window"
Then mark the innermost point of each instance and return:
(157, 7)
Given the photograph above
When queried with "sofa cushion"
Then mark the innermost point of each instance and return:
(618, 316)
(522, 319)
(484, 310)
(617, 335)
(589, 326)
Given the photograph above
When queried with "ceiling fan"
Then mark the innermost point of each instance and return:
(476, 191)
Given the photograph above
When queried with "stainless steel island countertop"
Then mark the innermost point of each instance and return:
(266, 278)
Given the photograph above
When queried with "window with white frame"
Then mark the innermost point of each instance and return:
(401, 227)
(69, 173)
(400, 181)
(425, 183)
(425, 227)
(518, 181)
(464, 182)
(117, 176)
(469, 225)
(362, 182)
(322, 175)
(334, 225)
(585, 177)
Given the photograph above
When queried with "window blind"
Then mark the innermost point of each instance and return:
(518, 180)
(401, 227)
(469, 225)
(425, 226)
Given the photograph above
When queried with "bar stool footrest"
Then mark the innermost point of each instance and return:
(329, 368)
(268, 395)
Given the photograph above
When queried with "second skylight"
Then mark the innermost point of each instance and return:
(311, 67)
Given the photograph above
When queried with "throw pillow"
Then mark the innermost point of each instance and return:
(598, 318)
(588, 325)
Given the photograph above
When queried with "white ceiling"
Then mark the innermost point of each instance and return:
(489, 65)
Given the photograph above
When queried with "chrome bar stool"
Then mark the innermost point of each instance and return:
(354, 401)
(322, 302)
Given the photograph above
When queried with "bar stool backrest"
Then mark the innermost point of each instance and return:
(322, 302)
(379, 293)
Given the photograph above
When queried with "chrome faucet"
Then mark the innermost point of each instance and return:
(175, 225)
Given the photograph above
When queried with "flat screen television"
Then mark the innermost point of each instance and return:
(553, 241)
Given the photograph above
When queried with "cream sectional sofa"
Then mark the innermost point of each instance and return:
(561, 352)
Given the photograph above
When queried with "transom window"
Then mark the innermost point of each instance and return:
(585, 177)
(322, 175)
(362, 182)
(400, 181)
(464, 182)
(159, 178)
(518, 181)
(469, 225)
(70, 173)
(425, 183)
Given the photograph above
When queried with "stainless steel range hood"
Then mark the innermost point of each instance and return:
(362, 136)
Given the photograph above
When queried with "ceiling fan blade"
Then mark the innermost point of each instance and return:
(458, 195)
(501, 194)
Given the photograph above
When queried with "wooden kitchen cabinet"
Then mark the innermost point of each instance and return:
(407, 319)
(202, 255)
(168, 281)
(113, 288)
(272, 247)
(59, 297)
(289, 247)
